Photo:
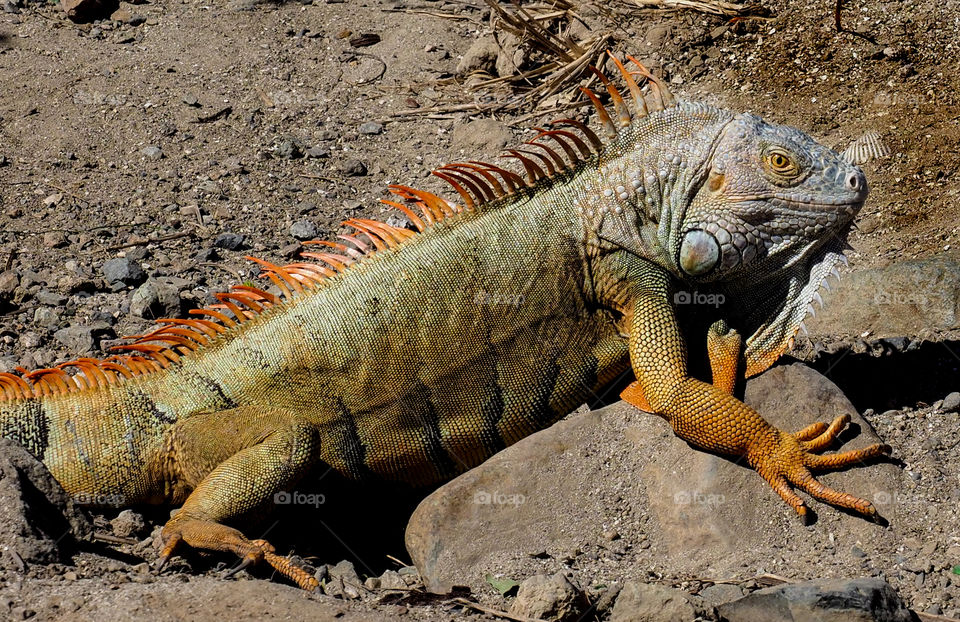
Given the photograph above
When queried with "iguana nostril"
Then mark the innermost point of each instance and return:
(853, 181)
(699, 252)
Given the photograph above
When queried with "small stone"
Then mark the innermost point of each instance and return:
(128, 524)
(480, 56)
(371, 128)
(83, 339)
(155, 299)
(918, 564)
(229, 241)
(124, 271)
(303, 230)
(288, 150)
(46, 317)
(372, 583)
(857, 552)
(54, 239)
(391, 580)
(318, 151)
(551, 597)
(8, 284)
(206, 254)
(152, 152)
(720, 593)
(951, 403)
(291, 251)
(46, 297)
(353, 168)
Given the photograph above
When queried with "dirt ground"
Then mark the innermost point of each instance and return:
(151, 136)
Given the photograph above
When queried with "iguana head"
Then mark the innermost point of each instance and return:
(771, 194)
(766, 227)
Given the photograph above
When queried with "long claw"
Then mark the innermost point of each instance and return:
(825, 438)
(847, 458)
(811, 431)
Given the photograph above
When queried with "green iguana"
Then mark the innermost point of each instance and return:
(413, 356)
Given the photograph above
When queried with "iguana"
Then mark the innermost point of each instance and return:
(413, 354)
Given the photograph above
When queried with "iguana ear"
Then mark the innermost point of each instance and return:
(771, 311)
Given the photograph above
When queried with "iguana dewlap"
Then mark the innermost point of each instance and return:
(415, 355)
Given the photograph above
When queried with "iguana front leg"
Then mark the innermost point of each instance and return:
(709, 417)
(273, 450)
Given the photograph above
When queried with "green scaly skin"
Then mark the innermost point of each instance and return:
(421, 361)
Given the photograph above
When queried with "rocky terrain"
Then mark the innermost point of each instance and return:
(142, 156)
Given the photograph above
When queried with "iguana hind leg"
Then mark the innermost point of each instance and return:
(276, 451)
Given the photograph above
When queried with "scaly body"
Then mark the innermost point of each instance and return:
(420, 360)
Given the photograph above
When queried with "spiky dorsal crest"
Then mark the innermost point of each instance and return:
(478, 184)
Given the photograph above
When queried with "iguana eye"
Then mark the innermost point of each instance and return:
(781, 164)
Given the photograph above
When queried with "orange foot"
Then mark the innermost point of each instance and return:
(788, 459)
(203, 534)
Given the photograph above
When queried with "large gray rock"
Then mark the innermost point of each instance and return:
(824, 600)
(909, 298)
(39, 522)
(649, 602)
(620, 469)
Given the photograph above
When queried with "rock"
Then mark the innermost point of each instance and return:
(229, 241)
(190, 99)
(123, 271)
(38, 520)
(343, 581)
(480, 137)
(720, 593)
(318, 151)
(46, 317)
(8, 284)
(549, 598)
(951, 403)
(128, 524)
(823, 600)
(83, 339)
(908, 298)
(304, 230)
(353, 168)
(154, 299)
(289, 149)
(481, 56)
(54, 239)
(46, 297)
(553, 491)
(82, 11)
(371, 128)
(152, 152)
(391, 580)
(646, 602)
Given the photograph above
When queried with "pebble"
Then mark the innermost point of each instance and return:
(82, 339)
(951, 403)
(152, 152)
(229, 241)
(353, 168)
(46, 317)
(8, 283)
(128, 524)
(551, 597)
(318, 151)
(54, 239)
(371, 128)
(123, 271)
(303, 230)
(288, 150)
